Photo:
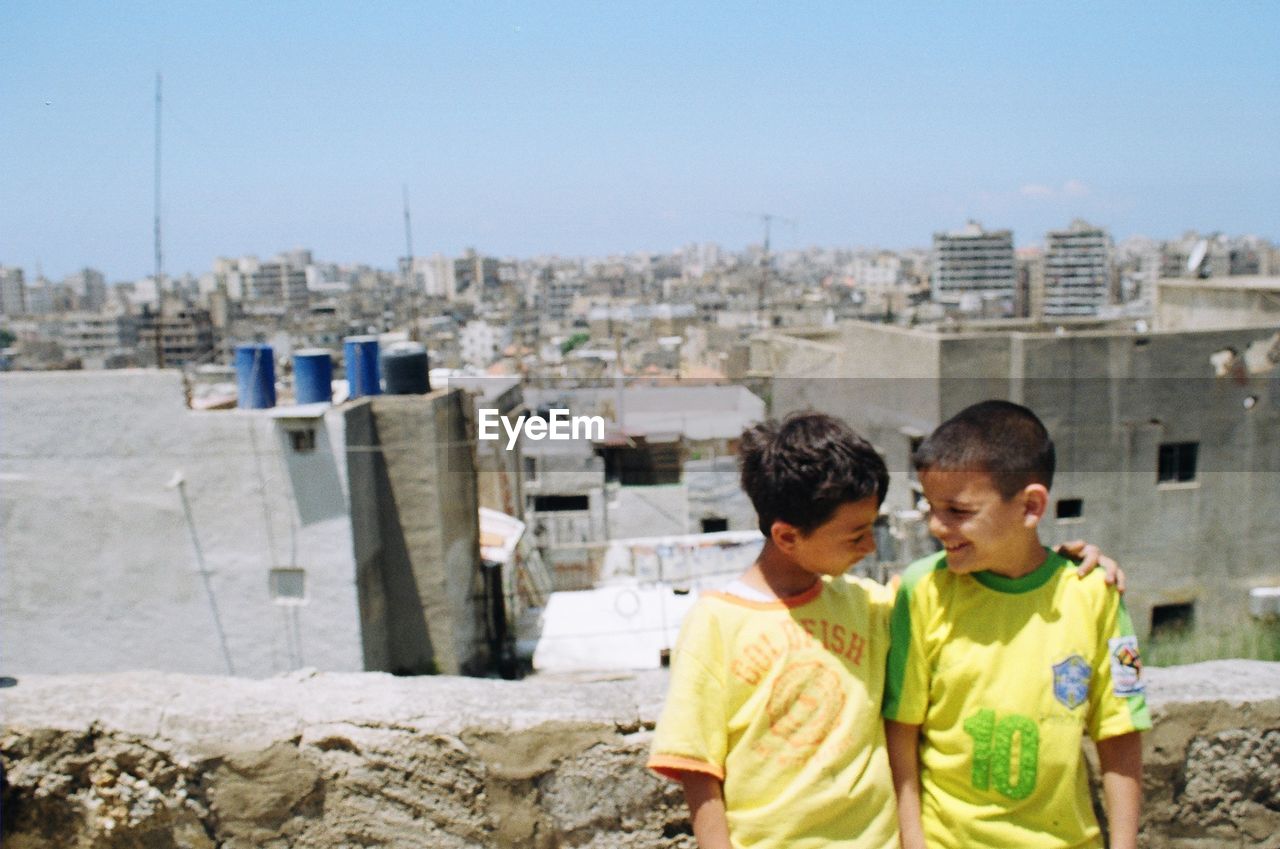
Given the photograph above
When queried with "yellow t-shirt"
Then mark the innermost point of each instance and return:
(1004, 676)
(781, 701)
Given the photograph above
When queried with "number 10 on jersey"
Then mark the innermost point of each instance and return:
(1004, 752)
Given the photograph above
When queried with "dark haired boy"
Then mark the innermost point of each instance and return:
(999, 661)
(772, 716)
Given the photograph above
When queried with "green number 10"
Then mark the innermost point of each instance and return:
(993, 752)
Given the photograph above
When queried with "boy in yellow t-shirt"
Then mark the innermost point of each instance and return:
(772, 715)
(1001, 658)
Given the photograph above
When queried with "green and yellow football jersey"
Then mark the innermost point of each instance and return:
(1004, 675)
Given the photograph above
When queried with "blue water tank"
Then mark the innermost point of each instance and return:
(405, 368)
(313, 376)
(361, 356)
(255, 377)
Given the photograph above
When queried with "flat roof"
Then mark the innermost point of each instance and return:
(1258, 282)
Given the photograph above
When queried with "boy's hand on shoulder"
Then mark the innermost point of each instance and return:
(1089, 556)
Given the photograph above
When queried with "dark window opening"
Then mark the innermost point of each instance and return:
(303, 440)
(1070, 508)
(643, 463)
(560, 503)
(714, 524)
(1177, 462)
(1172, 618)
(288, 584)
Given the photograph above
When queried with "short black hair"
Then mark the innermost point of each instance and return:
(1003, 439)
(802, 470)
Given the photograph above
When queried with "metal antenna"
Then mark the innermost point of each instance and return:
(410, 283)
(767, 219)
(159, 278)
(408, 231)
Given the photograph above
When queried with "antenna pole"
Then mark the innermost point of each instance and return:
(408, 231)
(159, 273)
(410, 283)
(764, 271)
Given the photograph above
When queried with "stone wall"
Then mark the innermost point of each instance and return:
(162, 761)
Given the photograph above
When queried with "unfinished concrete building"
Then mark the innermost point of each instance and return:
(1168, 441)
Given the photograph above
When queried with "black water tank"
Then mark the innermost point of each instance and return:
(404, 369)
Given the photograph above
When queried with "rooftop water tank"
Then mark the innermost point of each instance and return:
(313, 376)
(255, 377)
(361, 356)
(405, 368)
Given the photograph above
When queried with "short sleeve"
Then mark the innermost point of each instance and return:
(906, 696)
(692, 732)
(1117, 699)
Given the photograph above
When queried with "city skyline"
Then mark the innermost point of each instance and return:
(591, 131)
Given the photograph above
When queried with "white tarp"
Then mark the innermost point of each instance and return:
(623, 626)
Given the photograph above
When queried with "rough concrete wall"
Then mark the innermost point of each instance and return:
(166, 761)
(416, 530)
(1110, 400)
(883, 380)
(1188, 307)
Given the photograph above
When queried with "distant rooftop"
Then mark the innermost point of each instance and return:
(1265, 283)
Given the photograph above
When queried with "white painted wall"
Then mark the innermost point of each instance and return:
(100, 572)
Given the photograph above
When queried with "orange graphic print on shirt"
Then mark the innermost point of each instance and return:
(805, 704)
(806, 698)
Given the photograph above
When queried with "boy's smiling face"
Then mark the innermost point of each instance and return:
(841, 541)
(979, 528)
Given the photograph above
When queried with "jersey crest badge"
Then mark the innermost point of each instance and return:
(1126, 666)
(1071, 681)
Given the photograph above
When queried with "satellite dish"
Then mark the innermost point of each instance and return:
(1197, 256)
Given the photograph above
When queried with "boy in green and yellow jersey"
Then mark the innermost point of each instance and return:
(1001, 658)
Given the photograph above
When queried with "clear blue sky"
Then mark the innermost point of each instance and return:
(590, 128)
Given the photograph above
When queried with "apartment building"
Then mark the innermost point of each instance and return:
(973, 269)
(1078, 263)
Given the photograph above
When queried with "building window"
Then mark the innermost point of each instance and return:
(1069, 508)
(302, 439)
(1169, 619)
(714, 524)
(530, 469)
(288, 585)
(560, 503)
(1177, 463)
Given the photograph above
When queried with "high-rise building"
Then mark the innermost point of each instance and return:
(279, 283)
(475, 276)
(437, 275)
(13, 291)
(972, 266)
(1078, 265)
(89, 286)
